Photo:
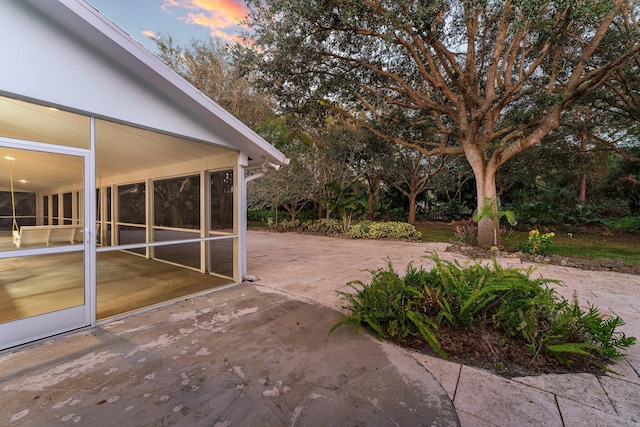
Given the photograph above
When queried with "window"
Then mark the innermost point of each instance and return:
(131, 203)
(177, 202)
(222, 201)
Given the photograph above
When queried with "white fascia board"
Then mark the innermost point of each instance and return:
(94, 28)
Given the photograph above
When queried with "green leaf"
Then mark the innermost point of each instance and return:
(427, 330)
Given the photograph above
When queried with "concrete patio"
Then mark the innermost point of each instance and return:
(259, 354)
(315, 267)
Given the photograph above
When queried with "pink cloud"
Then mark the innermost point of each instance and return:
(168, 4)
(150, 34)
(222, 17)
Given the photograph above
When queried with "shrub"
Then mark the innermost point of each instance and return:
(284, 225)
(364, 229)
(390, 230)
(578, 333)
(289, 225)
(255, 214)
(360, 230)
(465, 231)
(629, 224)
(507, 299)
(324, 226)
(386, 307)
(538, 244)
(263, 215)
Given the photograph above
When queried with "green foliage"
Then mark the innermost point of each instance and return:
(492, 209)
(343, 203)
(477, 293)
(387, 307)
(263, 215)
(384, 230)
(630, 224)
(360, 230)
(284, 225)
(524, 308)
(323, 226)
(364, 229)
(356, 59)
(465, 231)
(576, 332)
(538, 244)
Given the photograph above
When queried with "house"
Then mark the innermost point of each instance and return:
(130, 183)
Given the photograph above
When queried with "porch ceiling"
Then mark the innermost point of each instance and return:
(120, 149)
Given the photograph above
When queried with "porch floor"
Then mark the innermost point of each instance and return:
(126, 282)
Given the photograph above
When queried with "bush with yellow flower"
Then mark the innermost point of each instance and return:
(539, 243)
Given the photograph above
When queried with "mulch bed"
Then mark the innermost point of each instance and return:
(487, 348)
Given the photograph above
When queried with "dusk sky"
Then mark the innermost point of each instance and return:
(182, 19)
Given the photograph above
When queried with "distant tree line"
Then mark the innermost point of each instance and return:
(433, 110)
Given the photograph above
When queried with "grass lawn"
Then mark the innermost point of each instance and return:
(581, 245)
(436, 231)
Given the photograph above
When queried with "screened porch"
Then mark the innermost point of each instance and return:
(163, 210)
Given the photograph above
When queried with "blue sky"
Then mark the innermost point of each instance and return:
(182, 19)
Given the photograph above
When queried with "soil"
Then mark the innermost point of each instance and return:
(488, 348)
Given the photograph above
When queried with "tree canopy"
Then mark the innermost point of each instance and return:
(208, 65)
(487, 79)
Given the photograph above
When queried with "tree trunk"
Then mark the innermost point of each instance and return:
(582, 196)
(488, 229)
(459, 193)
(370, 206)
(583, 189)
(373, 188)
(412, 208)
(485, 174)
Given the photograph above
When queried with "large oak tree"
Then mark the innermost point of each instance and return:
(483, 78)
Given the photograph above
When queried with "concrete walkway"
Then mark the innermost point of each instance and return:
(259, 355)
(315, 267)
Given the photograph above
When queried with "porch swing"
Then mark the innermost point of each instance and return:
(15, 229)
(25, 234)
(40, 234)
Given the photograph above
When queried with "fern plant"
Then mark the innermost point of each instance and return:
(508, 299)
(578, 332)
(387, 306)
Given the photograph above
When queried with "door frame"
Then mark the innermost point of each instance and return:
(33, 328)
